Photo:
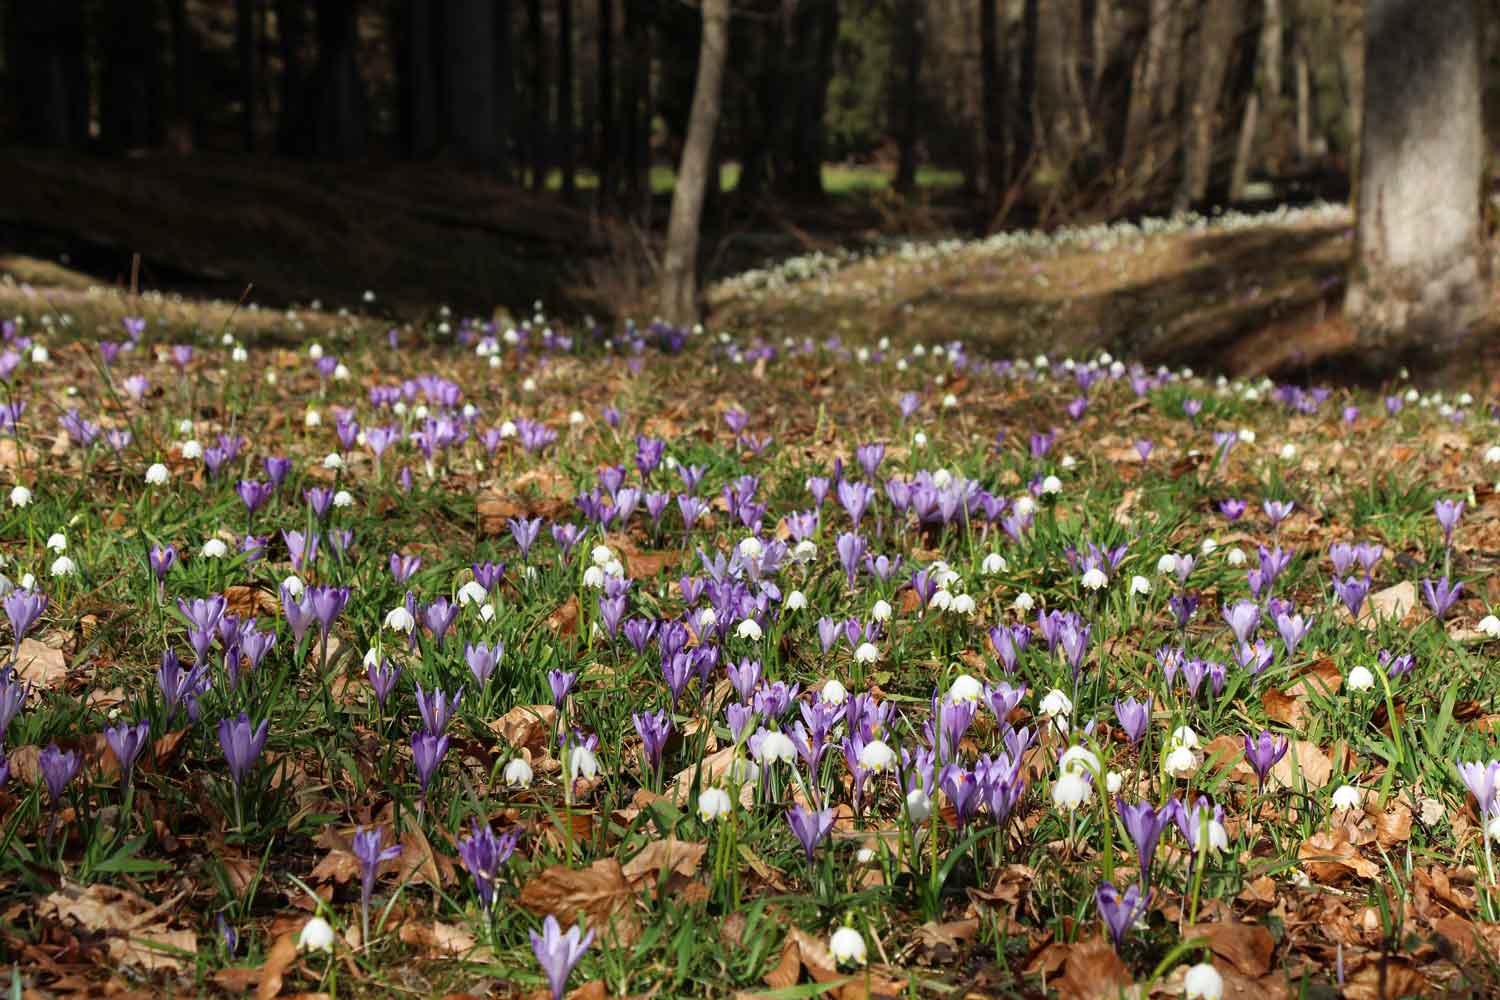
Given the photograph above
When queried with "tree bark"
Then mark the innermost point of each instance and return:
(339, 130)
(606, 59)
(1350, 26)
(1026, 98)
(909, 112)
(536, 104)
(1144, 84)
(567, 155)
(1303, 74)
(1420, 277)
(471, 97)
(679, 289)
(422, 92)
(1272, 54)
(505, 88)
(1244, 149)
(183, 127)
(291, 28)
(245, 45)
(1215, 37)
(131, 84)
(992, 101)
(50, 73)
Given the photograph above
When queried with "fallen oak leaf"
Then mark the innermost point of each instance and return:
(670, 855)
(1247, 947)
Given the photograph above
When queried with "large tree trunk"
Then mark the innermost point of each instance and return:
(131, 88)
(246, 43)
(50, 72)
(993, 88)
(471, 104)
(1350, 25)
(1215, 38)
(1031, 20)
(636, 108)
(606, 102)
(821, 34)
(339, 130)
(419, 79)
(505, 87)
(1272, 53)
(679, 289)
(291, 27)
(908, 94)
(567, 156)
(536, 103)
(183, 126)
(1144, 84)
(1244, 150)
(1302, 71)
(1420, 276)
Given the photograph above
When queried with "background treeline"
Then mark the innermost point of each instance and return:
(1028, 109)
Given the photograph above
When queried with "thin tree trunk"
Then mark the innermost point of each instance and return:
(1272, 52)
(183, 129)
(505, 88)
(679, 290)
(536, 104)
(1350, 26)
(1244, 149)
(340, 130)
(1215, 37)
(130, 87)
(567, 156)
(1144, 84)
(910, 111)
(991, 104)
(290, 31)
(1026, 98)
(245, 45)
(1420, 277)
(606, 58)
(1303, 76)
(471, 98)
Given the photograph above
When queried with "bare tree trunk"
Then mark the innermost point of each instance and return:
(1420, 275)
(1303, 74)
(567, 155)
(679, 288)
(337, 88)
(505, 88)
(909, 95)
(183, 129)
(1215, 37)
(130, 85)
(536, 103)
(291, 116)
(1026, 98)
(1145, 82)
(1172, 72)
(1272, 51)
(992, 102)
(470, 107)
(606, 59)
(1244, 150)
(245, 44)
(1350, 26)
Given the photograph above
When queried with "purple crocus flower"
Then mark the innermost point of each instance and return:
(525, 532)
(1120, 910)
(561, 683)
(127, 741)
(427, 752)
(1293, 629)
(382, 676)
(1242, 617)
(1143, 447)
(162, 558)
(1448, 513)
(484, 854)
(810, 826)
(1352, 590)
(241, 744)
(482, 659)
(558, 953)
(1342, 556)
(254, 493)
(302, 549)
(436, 708)
(870, 456)
(1441, 596)
(1482, 780)
(1278, 510)
(1144, 823)
(1263, 752)
(851, 548)
(1232, 508)
(371, 855)
(277, 469)
(403, 567)
(1003, 699)
(1133, 716)
(439, 617)
(57, 768)
(13, 693)
(24, 608)
(326, 603)
(653, 728)
(1183, 606)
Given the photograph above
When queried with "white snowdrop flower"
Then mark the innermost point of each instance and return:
(1492, 455)
(940, 600)
(945, 577)
(214, 548)
(707, 618)
(1024, 602)
(1412, 395)
(795, 601)
(1054, 703)
(919, 351)
(1068, 462)
(582, 763)
(192, 450)
(862, 355)
(293, 585)
(1466, 399)
(804, 551)
(487, 611)
(472, 593)
(614, 568)
(965, 689)
(942, 479)
(28, 582)
(1117, 368)
(964, 605)
(1288, 452)
(1113, 782)
(315, 351)
(881, 611)
(1490, 626)
(1360, 679)
(847, 947)
(1181, 762)
(1079, 760)
(749, 629)
(1183, 736)
(1208, 547)
(877, 756)
(63, 566)
(1167, 564)
(833, 693)
(20, 496)
(398, 619)
(601, 554)
(751, 548)
(239, 354)
(1235, 556)
(420, 412)
(1025, 505)
(901, 365)
(529, 385)
(1140, 585)
(317, 935)
(341, 372)
(1094, 579)
(866, 653)
(949, 401)
(576, 419)
(271, 376)
(1347, 797)
(777, 747)
(918, 805)
(518, 773)
(593, 577)
(864, 856)
(372, 658)
(470, 411)
(185, 428)
(343, 498)
(1493, 829)
(994, 563)
(312, 418)
(57, 542)
(1203, 982)
(1246, 435)
(39, 355)
(157, 474)
(1040, 361)
(1051, 485)
(713, 804)
(1070, 791)
(333, 460)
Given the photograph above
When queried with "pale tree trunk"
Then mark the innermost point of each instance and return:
(1244, 150)
(1349, 24)
(1215, 37)
(1145, 81)
(1271, 51)
(1420, 276)
(1303, 74)
(679, 286)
